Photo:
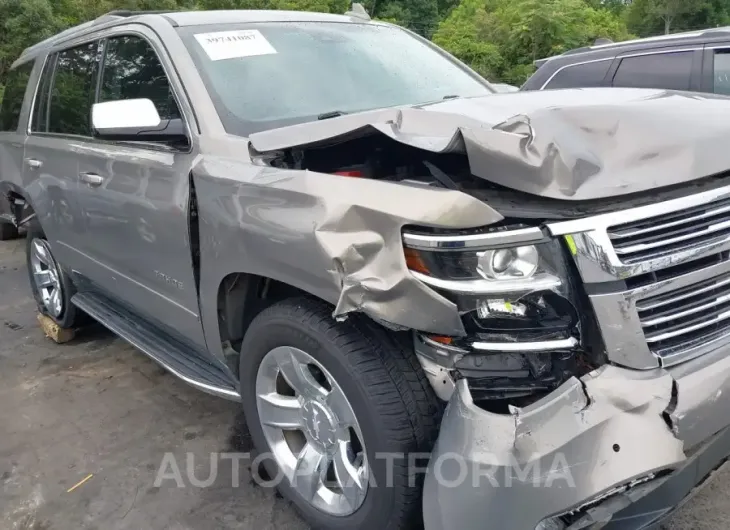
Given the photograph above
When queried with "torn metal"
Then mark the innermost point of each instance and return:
(565, 144)
(584, 453)
(336, 238)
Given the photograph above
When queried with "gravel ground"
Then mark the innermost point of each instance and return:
(98, 407)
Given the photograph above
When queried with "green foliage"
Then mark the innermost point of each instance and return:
(502, 38)
(22, 23)
(499, 38)
(652, 17)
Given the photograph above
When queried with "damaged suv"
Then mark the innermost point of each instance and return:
(335, 222)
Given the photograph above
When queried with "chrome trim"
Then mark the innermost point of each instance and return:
(547, 345)
(539, 282)
(622, 234)
(640, 213)
(660, 52)
(618, 56)
(654, 337)
(685, 313)
(677, 239)
(645, 306)
(619, 320)
(35, 95)
(472, 241)
(594, 252)
(571, 65)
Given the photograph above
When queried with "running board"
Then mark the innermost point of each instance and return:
(178, 359)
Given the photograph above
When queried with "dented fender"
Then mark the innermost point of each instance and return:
(334, 237)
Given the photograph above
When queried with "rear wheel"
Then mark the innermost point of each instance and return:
(325, 401)
(51, 286)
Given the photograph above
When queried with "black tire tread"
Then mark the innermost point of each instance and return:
(394, 380)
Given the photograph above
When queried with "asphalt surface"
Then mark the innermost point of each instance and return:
(98, 407)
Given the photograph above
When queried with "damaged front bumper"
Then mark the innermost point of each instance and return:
(618, 445)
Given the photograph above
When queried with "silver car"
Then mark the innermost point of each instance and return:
(338, 224)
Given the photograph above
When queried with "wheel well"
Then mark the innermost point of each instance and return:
(241, 297)
(16, 208)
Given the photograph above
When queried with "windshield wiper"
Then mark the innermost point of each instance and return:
(451, 96)
(331, 114)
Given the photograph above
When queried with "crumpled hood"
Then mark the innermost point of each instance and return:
(562, 144)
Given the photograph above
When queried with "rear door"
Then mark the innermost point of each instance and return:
(672, 69)
(60, 127)
(716, 69)
(12, 129)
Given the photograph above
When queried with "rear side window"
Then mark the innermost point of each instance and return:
(72, 91)
(132, 70)
(17, 81)
(662, 70)
(721, 73)
(581, 75)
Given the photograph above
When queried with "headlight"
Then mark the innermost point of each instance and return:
(506, 293)
(516, 263)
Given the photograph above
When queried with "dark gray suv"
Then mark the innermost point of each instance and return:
(333, 221)
(698, 61)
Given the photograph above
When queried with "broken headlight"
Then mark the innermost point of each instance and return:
(514, 292)
(506, 293)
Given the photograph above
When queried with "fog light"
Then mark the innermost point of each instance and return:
(500, 307)
(509, 263)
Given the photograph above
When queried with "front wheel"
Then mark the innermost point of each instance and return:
(335, 409)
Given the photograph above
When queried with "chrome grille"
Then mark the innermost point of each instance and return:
(686, 319)
(666, 234)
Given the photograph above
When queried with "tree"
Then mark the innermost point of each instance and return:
(650, 17)
(421, 16)
(669, 10)
(22, 23)
(503, 38)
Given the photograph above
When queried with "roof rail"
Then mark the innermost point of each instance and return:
(131, 13)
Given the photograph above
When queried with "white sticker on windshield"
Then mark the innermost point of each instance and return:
(229, 44)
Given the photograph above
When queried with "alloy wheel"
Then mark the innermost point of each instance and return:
(312, 431)
(47, 277)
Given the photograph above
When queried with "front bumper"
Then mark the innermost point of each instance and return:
(618, 445)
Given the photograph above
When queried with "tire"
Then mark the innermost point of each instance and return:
(395, 408)
(68, 315)
(7, 231)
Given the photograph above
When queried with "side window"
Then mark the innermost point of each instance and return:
(721, 74)
(581, 75)
(661, 70)
(72, 92)
(12, 100)
(39, 121)
(132, 70)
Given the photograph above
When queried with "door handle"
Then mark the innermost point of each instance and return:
(33, 163)
(92, 179)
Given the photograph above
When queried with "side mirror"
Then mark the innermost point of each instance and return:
(134, 120)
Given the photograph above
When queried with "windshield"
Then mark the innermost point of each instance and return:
(267, 75)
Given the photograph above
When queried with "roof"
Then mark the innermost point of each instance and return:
(691, 37)
(198, 18)
(185, 18)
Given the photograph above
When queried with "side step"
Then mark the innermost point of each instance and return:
(178, 359)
